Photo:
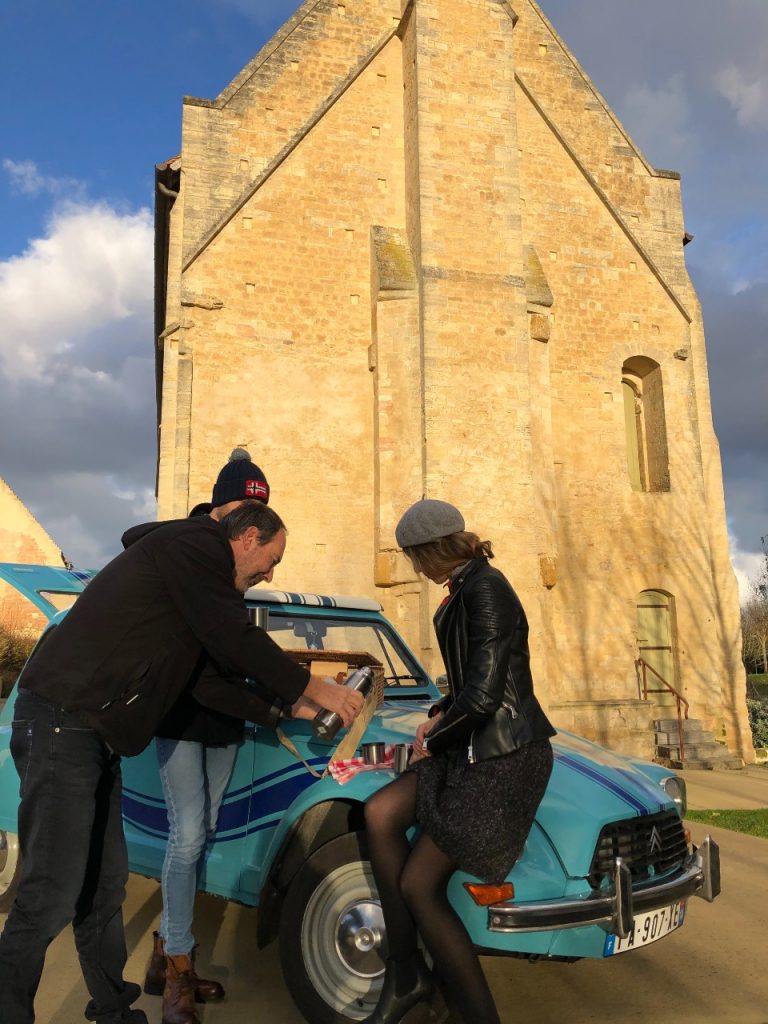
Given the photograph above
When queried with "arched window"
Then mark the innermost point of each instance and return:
(645, 425)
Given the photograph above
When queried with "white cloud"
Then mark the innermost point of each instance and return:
(93, 267)
(746, 89)
(26, 179)
(747, 565)
(76, 369)
(89, 502)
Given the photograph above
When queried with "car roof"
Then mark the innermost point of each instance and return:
(256, 595)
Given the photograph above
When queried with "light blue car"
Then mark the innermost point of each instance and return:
(608, 866)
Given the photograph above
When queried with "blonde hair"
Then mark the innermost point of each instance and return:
(438, 558)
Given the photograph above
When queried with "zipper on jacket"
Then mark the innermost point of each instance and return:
(512, 710)
(120, 696)
(513, 714)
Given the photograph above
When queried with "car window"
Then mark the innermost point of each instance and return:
(59, 601)
(302, 633)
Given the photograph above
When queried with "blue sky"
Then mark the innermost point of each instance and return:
(93, 95)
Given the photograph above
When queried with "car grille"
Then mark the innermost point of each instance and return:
(649, 846)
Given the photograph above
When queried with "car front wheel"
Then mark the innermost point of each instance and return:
(332, 934)
(10, 868)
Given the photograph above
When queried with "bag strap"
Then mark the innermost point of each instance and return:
(290, 746)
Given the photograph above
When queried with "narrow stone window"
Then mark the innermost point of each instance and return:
(645, 425)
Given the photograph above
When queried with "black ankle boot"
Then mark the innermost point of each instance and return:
(391, 1007)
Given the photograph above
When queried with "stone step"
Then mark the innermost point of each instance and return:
(689, 736)
(691, 726)
(701, 748)
(711, 751)
(731, 763)
(710, 755)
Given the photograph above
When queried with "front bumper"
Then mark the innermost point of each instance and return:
(614, 910)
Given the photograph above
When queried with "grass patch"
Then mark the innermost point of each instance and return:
(757, 682)
(753, 823)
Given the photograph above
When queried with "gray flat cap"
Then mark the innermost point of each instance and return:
(428, 520)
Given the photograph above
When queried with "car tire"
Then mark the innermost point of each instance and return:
(10, 869)
(331, 934)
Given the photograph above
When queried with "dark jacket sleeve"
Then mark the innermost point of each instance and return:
(440, 706)
(249, 701)
(492, 613)
(196, 567)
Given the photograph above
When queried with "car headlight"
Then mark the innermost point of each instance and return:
(674, 787)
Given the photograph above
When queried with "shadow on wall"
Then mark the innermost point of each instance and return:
(600, 595)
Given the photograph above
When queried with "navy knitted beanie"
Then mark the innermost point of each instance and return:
(238, 480)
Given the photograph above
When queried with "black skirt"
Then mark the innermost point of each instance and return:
(480, 814)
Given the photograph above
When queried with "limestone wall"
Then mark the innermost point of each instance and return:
(414, 253)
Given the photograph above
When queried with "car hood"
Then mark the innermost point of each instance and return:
(589, 787)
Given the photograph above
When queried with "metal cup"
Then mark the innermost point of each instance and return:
(373, 753)
(402, 756)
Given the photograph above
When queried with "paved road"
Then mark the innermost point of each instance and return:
(712, 971)
(719, 790)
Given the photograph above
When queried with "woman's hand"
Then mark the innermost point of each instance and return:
(421, 732)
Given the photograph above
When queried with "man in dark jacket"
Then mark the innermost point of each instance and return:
(95, 689)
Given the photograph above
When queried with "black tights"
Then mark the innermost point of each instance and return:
(412, 884)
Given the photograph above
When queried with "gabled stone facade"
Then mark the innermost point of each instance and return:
(410, 251)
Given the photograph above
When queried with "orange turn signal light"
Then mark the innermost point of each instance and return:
(485, 895)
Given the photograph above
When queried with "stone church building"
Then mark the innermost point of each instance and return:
(410, 251)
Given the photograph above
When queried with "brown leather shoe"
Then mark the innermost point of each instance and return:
(206, 991)
(179, 993)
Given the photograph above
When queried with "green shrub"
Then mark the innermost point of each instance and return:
(758, 720)
(15, 648)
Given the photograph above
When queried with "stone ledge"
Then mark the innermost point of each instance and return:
(624, 725)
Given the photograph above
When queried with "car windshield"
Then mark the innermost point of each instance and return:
(304, 633)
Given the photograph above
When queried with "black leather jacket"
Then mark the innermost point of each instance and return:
(483, 636)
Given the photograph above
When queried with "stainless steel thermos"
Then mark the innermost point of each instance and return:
(326, 724)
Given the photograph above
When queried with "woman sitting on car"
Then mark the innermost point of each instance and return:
(480, 766)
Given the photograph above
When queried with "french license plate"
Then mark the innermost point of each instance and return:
(648, 928)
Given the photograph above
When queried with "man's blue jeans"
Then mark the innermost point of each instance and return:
(74, 862)
(194, 778)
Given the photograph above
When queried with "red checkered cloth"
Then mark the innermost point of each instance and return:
(343, 771)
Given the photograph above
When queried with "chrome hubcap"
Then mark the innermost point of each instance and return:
(342, 932)
(359, 937)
